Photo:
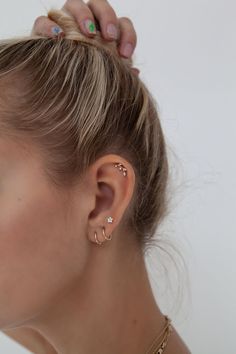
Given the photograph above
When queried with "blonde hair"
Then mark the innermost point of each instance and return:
(77, 99)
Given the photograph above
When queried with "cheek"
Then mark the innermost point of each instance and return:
(35, 255)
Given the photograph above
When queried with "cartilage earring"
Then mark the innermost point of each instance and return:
(121, 168)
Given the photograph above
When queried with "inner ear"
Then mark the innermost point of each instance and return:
(106, 196)
(106, 189)
(104, 200)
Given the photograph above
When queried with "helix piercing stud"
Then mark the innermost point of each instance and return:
(121, 168)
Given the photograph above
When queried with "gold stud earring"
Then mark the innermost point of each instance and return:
(121, 168)
(110, 219)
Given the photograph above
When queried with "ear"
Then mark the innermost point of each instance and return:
(112, 190)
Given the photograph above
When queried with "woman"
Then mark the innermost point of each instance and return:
(84, 176)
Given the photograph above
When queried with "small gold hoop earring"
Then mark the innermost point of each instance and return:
(96, 239)
(108, 238)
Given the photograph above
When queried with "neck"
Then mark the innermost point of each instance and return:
(111, 309)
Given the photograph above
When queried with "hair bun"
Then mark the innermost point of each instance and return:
(72, 31)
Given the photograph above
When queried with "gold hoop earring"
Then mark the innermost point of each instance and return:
(96, 239)
(108, 238)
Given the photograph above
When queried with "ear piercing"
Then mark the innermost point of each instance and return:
(121, 168)
(108, 238)
(109, 218)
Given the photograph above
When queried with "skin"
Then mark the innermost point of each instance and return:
(60, 291)
(54, 279)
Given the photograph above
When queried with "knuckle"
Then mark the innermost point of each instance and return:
(128, 29)
(78, 9)
(92, 2)
(67, 5)
(103, 9)
(111, 17)
(69, 2)
(89, 3)
(38, 21)
(72, 5)
(110, 11)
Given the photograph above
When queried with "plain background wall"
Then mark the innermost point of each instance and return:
(187, 55)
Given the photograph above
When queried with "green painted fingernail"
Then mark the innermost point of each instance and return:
(90, 26)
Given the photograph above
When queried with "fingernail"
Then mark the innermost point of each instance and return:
(112, 31)
(89, 26)
(56, 30)
(127, 50)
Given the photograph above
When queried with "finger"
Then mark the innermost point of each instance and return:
(136, 71)
(82, 14)
(107, 18)
(46, 27)
(128, 37)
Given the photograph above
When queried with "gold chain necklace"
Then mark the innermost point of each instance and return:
(158, 348)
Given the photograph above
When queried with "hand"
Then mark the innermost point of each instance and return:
(103, 16)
